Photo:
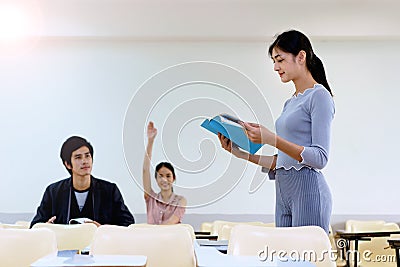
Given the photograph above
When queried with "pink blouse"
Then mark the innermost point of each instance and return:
(158, 211)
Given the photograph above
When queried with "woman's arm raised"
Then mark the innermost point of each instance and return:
(151, 135)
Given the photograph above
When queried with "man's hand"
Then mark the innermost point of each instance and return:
(94, 222)
(52, 219)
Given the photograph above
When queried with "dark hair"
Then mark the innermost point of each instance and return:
(70, 145)
(293, 42)
(166, 165)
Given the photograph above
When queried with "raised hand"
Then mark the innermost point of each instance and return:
(151, 131)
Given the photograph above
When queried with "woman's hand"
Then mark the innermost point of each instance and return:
(151, 131)
(259, 134)
(227, 144)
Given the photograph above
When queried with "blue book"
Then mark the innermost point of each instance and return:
(229, 127)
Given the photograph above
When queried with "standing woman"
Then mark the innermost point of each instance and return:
(164, 207)
(302, 136)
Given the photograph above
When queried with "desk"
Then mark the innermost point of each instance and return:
(202, 233)
(97, 260)
(395, 244)
(220, 245)
(360, 236)
(210, 257)
(210, 237)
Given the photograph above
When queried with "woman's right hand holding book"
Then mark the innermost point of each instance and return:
(259, 134)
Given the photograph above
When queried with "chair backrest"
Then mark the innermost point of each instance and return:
(21, 247)
(25, 224)
(71, 236)
(181, 225)
(350, 225)
(377, 246)
(309, 243)
(13, 226)
(225, 231)
(206, 227)
(218, 224)
(163, 246)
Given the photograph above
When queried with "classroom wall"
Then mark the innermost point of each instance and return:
(106, 89)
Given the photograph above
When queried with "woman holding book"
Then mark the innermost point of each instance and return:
(164, 207)
(302, 136)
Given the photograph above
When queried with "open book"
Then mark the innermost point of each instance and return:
(229, 127)
(79, 220)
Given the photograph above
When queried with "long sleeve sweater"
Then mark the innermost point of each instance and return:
(306, 121)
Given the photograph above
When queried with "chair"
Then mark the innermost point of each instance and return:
(218, 224)
(71, 236)
(159, 243)
(13, 226)
(21, 247)
(332, 237)
(206, 227)
(309, 243)
(351, 224)
(377, 246)
(225, 232)
(185, 226)
(340, 261)
(25, 224)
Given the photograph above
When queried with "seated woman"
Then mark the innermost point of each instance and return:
(164, 207)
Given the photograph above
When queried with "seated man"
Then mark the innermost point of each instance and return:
(82, 195)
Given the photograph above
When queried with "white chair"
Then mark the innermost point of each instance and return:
(163, 246)
(225, 231)
(25, 224)
(188, 227)
(13, 226)
(218, 224)
(21, 247)
(374, 252)
(206, 227)
(350, 225)
(309, 243)
(71, 236)
(340, 261)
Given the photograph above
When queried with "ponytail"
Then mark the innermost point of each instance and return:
(315, 66)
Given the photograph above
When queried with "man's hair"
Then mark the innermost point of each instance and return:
(70, 145)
